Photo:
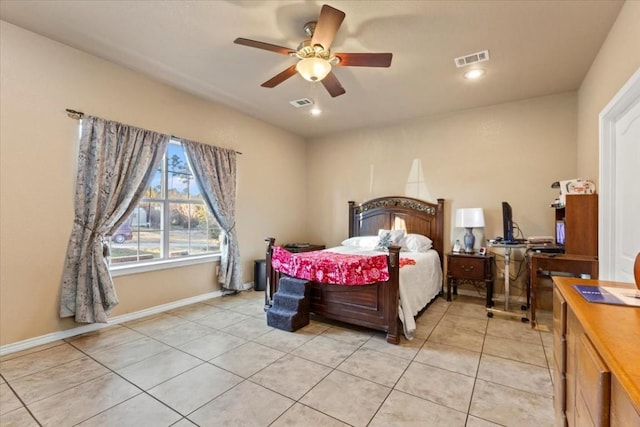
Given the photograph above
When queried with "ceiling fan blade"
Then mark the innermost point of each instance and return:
(364, 59)
(266, 46)
(332, 84)
(279, 78)
(327, 26)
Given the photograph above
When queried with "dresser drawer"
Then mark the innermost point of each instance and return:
(560, 352)
(467, 268)
(559, 331)
(622, 411)
(559, 395)
(593, 384)
(559, 313)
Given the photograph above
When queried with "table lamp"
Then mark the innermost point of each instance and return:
(469, 218)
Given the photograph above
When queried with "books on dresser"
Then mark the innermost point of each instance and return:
(609, 295)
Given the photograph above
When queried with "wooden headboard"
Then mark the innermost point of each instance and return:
(395, 212)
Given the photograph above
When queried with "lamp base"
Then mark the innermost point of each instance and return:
(469, 241)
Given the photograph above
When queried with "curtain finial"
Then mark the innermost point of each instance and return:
(77, 115)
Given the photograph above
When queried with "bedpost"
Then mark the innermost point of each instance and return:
(440, 230)
(393, 290)
(268, 292)
(352, 217)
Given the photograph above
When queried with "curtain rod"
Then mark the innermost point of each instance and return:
(77, 115)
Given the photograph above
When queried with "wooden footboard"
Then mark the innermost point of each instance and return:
(373, 306)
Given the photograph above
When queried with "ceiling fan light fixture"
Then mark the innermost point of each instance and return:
(313, 69)
(314, 54)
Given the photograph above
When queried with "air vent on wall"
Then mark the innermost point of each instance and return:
(472, 58)
(301, 102)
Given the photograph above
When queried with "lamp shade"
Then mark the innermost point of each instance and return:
(469, 217)
(313, 69)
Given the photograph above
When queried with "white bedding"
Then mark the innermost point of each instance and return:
(419, 283)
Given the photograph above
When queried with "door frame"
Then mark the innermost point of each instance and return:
(626, 97)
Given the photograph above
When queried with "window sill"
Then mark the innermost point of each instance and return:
(123, 270)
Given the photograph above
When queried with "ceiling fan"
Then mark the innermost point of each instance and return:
(315, 56)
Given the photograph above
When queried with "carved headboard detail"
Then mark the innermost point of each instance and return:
(396, 212)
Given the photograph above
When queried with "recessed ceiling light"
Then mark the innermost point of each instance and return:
(316, 111)
(474, 74)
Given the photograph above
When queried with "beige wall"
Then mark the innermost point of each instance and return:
(474, 158)
(39, 79)
(617, 60)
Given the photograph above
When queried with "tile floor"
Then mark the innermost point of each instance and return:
(217, 363)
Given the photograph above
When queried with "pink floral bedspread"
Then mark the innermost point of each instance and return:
(331, 267)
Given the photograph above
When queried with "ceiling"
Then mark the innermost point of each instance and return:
(536, 48)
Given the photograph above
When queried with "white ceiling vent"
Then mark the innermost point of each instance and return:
(472, 58)
(301, 102)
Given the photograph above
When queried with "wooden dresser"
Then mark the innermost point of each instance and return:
(596, 350)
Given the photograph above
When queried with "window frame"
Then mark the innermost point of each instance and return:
(162, 264)
(141, 266)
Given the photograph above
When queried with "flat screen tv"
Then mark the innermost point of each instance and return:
(507, 222)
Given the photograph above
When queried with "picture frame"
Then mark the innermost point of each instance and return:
(482, 250)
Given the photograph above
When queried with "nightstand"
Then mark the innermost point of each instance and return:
(303, 247)
(470, 268)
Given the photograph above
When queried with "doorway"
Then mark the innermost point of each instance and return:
(619, 231)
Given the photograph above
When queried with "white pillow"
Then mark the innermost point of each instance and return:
(389, 237)
(416, 243)
(361, 242)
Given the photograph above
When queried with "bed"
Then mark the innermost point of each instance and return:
(377, 305)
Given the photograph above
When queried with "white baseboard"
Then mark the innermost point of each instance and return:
(55, 336)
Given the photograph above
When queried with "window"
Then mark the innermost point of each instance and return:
(171, 222)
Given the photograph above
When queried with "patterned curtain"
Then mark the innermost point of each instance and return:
(215, 170)
(115, 163)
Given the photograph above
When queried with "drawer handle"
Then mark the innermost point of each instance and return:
(468, 268)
